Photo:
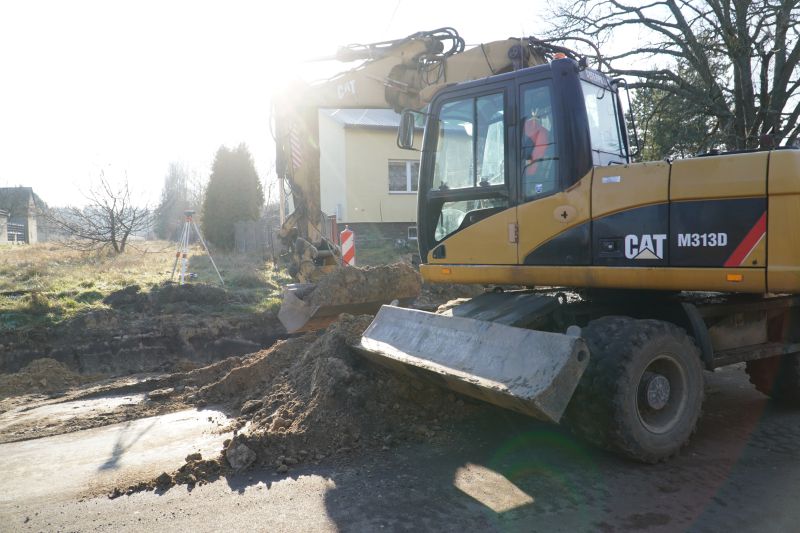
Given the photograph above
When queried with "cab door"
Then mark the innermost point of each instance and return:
(555, 179)
(468, 211)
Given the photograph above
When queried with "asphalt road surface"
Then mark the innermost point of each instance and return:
(502, 473)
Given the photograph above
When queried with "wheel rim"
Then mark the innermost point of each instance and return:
(661, 395)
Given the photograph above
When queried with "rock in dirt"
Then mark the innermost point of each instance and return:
(279, 423)
(250, 405)
(164, 481)
(161, 394)
(198, 472)
(239, 456)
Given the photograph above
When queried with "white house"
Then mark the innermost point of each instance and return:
(365, 179)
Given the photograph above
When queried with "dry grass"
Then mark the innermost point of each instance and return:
(47, 283)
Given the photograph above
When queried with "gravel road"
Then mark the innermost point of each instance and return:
(503, 472)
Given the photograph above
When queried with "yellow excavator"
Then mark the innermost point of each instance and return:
(639, 275)
(398, 74)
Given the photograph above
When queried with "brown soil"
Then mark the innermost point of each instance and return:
(313, 397)
(366, 284)
(196, 471)
(123, 341)
(167, 297)
(433, 295)
(40, 376)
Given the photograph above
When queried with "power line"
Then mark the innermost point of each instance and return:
(391, 19)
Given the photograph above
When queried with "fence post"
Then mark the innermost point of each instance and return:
(348, 246)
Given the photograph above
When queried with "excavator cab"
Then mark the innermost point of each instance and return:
(502, 175)
(501, 152)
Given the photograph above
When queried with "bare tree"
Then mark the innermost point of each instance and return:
(739, 59)
(108, 219)
(182, 190)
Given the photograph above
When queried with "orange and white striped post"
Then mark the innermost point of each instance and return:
(347, 238)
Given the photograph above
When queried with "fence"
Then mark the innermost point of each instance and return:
(257, 236)
(261, 236)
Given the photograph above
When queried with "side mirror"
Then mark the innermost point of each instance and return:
(405, 133)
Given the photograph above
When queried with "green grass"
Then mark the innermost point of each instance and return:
(44, 284)
(382, 255)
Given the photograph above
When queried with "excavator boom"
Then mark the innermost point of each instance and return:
(401, 74)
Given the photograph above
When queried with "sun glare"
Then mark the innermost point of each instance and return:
(490, 488)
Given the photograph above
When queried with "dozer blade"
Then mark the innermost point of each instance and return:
(532, 372)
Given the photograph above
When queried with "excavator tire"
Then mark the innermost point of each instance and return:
(642, 392)
(777, 377)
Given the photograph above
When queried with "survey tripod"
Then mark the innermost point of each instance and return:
(182, 252)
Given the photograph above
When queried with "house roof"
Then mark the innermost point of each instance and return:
(364, 118)
(16, 200)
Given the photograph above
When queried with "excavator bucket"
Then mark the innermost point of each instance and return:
(532, 372)
(312, 306)
(299, 315)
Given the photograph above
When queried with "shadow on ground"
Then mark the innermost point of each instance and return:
(506, 472)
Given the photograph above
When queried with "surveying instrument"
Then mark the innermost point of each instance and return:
(182, 252)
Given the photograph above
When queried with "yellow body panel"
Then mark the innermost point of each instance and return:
(784, 172)
(783, 222)
(617, 188)
(541, 220)
(723, 176)
(656, 278)
(486, 242)
(475, 255)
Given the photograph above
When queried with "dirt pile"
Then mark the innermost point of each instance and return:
(433, 295)
(313, 397)
(366, 284)
(167, 297)
(40, 375)
(196, 471)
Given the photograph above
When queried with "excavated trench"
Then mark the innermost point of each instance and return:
(175, 328)
(292, 400)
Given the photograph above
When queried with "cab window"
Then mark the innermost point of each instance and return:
(604, 126)
(470, 151)
(538, 157)
(470, 160)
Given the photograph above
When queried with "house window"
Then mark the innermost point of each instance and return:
(403, 176)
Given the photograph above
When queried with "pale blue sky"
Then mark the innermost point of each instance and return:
(127, 87)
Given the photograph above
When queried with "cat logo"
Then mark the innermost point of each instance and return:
(645, 246)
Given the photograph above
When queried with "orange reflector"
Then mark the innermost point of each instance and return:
(446, 271)
(734, 277)
(559, 55)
